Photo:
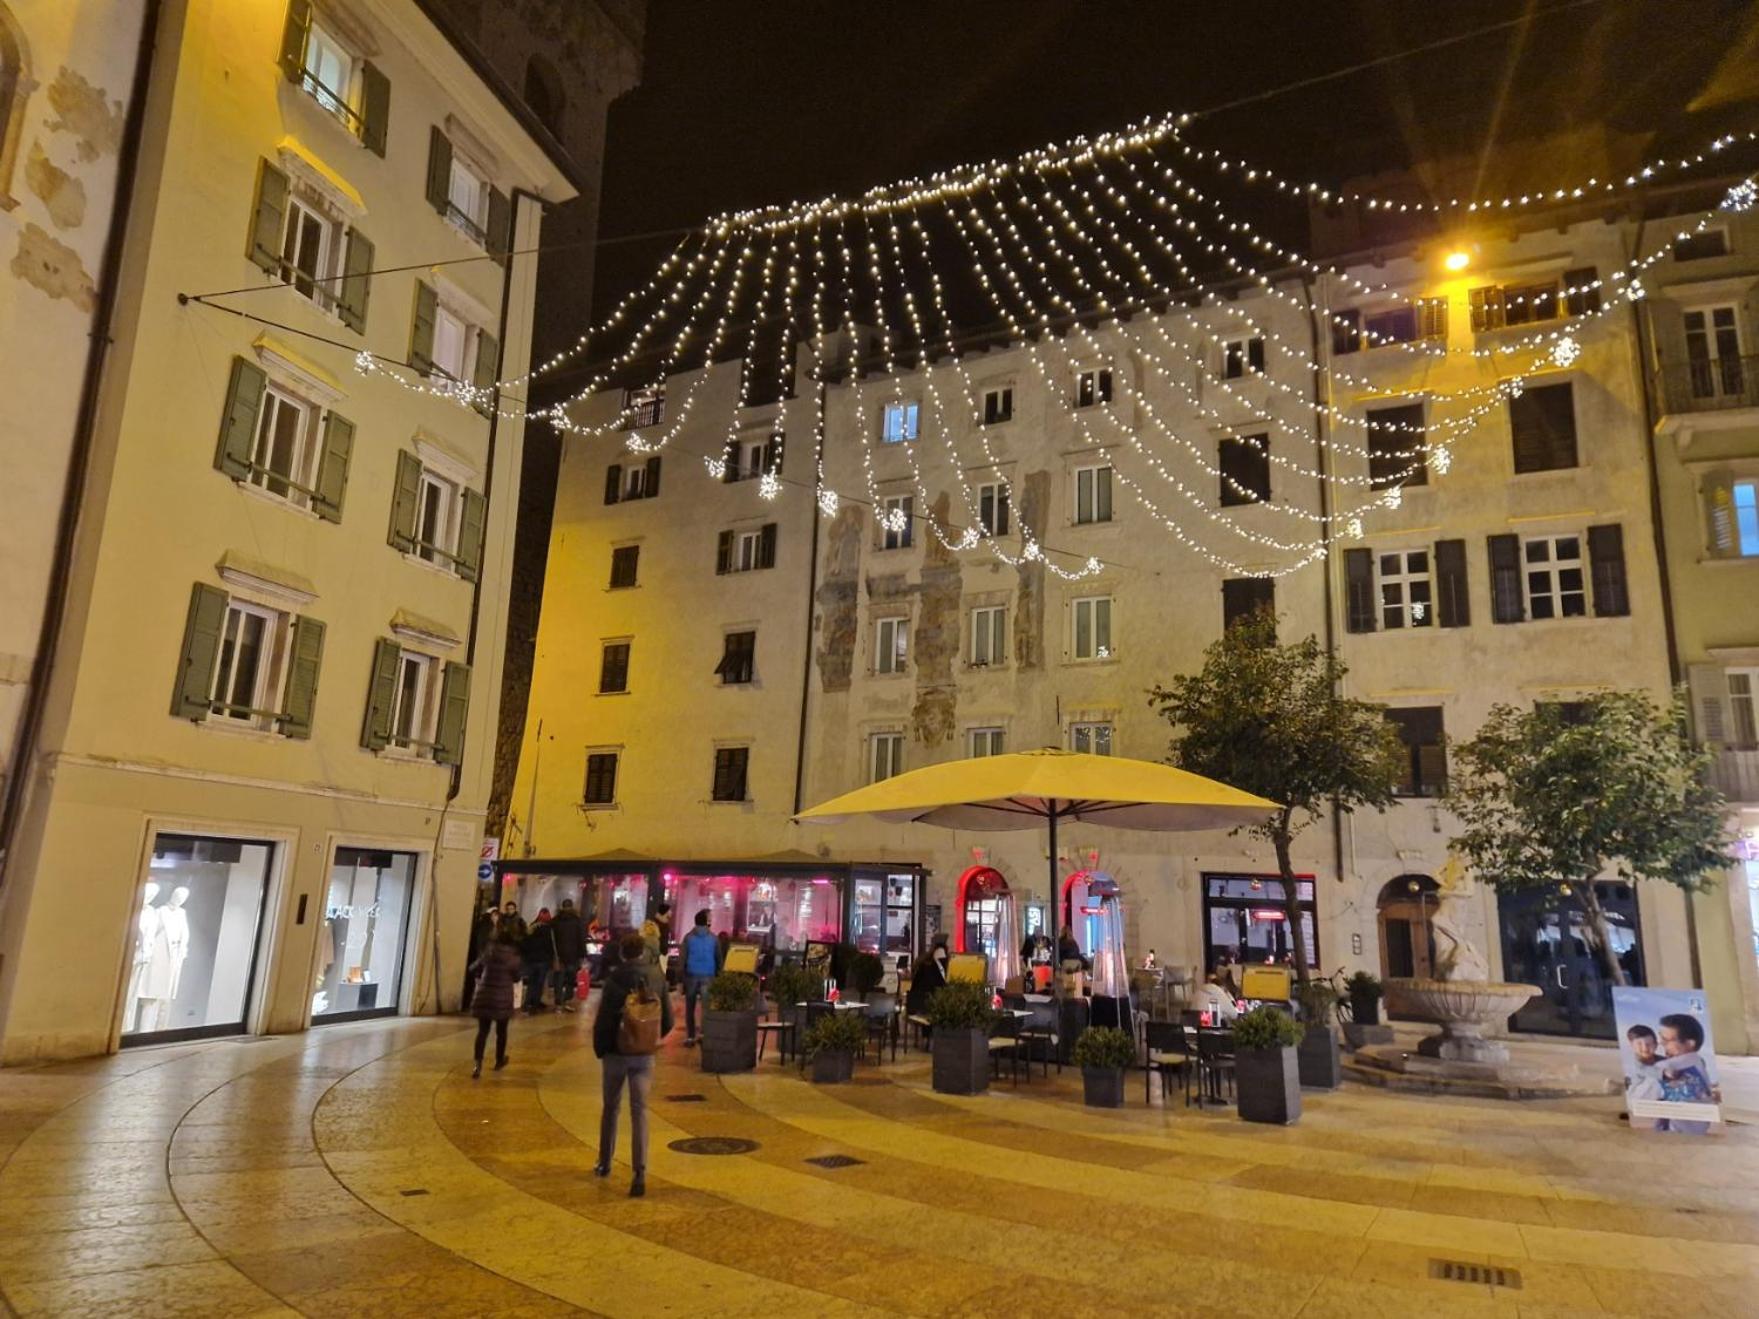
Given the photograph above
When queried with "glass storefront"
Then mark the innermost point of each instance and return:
(1547, 941)
(773, 911)
(366, 928)
(883, 917)
(1244, 921)
(195, 948)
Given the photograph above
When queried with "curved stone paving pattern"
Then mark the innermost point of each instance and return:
(359, 1170)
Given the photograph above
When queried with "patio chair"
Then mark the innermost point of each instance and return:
(882, 1025)
(1215, 1057)
(1039, 1032)
(1004, 1039)
(786, 1033)
(1167, 1052)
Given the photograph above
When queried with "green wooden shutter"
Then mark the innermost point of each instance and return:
(500, 225)
(405, 501)
(357, 265)
(332, 480)
(613, 483)
(724, 554)
(421, 329)
(1359, 611)
(238, 423)
(1606, 564)
(307, 655)
(201, 649)
(454, 705)
(268, 219)
(488, 366)
(293, 38)
(1453, 604)
(381, 696)
(650, 485)
(766, 546)
(1507, 603)
(471, 526)
(439, 169)
(375, 108)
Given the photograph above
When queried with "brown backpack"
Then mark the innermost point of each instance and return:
(638, 1031)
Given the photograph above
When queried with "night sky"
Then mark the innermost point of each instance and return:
(746, 102)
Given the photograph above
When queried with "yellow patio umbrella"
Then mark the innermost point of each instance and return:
(1021, 789)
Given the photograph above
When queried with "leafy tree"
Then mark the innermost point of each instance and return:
(1554, 796)
(1269, 719)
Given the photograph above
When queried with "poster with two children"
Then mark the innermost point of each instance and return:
(1670, 1066)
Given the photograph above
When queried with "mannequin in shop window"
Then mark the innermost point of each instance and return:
(167, 946)
(140, 1007)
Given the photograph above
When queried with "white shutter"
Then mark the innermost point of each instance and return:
(1708, 686)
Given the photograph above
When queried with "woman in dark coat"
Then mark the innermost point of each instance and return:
(496, 970)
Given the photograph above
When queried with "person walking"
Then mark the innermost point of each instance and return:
(702, 957)
(492, 1003)
(570, 939)
(539, 954)
(656, 933)
(625, 1036)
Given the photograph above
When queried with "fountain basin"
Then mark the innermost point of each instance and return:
(1463, 1009)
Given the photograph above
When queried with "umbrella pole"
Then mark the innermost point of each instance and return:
(1055, 904)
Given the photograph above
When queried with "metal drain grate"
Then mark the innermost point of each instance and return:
(836, 1161)
(686, 1099)
(420, 1190)
(713, 1145)
(1484, 1275)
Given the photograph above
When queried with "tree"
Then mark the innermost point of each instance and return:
(1553, 797)
(1269, 719)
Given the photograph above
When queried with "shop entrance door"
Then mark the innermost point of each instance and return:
(365, 930)
(1547, 941)
(1407, 941)
(195, 943)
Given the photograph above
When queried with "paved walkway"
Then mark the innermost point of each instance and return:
(358, 1170)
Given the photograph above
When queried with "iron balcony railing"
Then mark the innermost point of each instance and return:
(1711, 384)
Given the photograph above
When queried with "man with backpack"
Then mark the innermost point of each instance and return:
(701, 954)
(635, 1014)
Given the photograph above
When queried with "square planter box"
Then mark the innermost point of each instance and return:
(1269, 1083)
(961, 1061)
(832, 1066)
(1103, 1087)
(1365, 1009)
(729, 1041)
(1318, 1060)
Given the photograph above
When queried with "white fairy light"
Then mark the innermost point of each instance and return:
(1394, 496)
(1440, 458)
(1565, 351)
(1635, 291)
(827, 502)
(1741, 197)
(769, 485)
(1353, 528)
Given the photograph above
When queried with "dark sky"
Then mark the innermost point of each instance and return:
(747, 102)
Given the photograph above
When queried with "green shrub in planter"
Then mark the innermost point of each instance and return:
(1365, 992)
(960, 1006)
(729, 1024)
(961, 1016)
(793, 984)
(732, 991)
(832, 1043)
(1266, 1028)
(1104, 1047)
(1319, 1002)
(1265, 1068)
(865, 971)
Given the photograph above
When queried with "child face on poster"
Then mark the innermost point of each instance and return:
(1642, 1045)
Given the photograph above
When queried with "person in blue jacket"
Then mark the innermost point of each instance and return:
(701, 954)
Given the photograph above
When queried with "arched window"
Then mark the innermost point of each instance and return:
(15, 89)
(544, 94)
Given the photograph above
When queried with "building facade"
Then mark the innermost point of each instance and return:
(710, 660)
(256, 800)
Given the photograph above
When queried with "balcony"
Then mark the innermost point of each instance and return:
(1710, 384)
(1734, 772)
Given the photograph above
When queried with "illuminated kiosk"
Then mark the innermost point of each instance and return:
(989, 922)
(1093, 908)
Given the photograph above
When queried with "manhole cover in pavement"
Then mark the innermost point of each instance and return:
(1457, 1270)
(836, 1161)
(687, 1099)
(713, 1145)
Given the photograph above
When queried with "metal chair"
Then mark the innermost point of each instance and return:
(1167, 1052)
(1005, 1039)
(1215, 1057)
(1040, 1032)
(882, 1024)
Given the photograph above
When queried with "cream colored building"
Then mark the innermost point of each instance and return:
(1526, 571)
(257, 797)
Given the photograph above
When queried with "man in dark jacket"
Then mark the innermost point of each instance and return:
(633, 972)
(538, 952)
(570, 937)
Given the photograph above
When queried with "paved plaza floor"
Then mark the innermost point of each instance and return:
(358, 1170)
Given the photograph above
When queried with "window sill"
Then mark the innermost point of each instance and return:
(279, 501)
(1548, 471)
(619, 590)
(728, 801)
(1095, 662)
(599, 805)
(624, 692)
(409, 556)
(232, 728)
(1000, 666)
(893, 676)
(462, 227)
(1729, 561)
(408, 756)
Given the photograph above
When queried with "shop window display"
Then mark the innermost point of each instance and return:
(366, 924)
(196, 938)
(1244, 921)
(779, 913)
(883, 913)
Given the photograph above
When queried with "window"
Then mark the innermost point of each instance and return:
(891, 644)
(1093, 739)
(644, 407)
(989, 634)
(467, 200)
(746, 551)
(1425, 770)
(625, 563)
(1346, 331)
(451, 342)
(415, 709)
(1241, 357)
(1556, 583)
(987, 742)
(1244, 598)
(730, 766)
(747, 547)
(639, 481)
(992, 507)
(1734, 518)
(315, 58)
(885, 756)
(1743, 701)
(1702, 245)
(1396, 455)
(738, 658)
(1093, 628)
(1543, 423)
(280, 462)
(1093, 386)
(249, 664)
(897, 522)
(998, 405)
(1245, 470)
(1405, 589)
(416, 703)
(308, 251)
(614, 668)
(1413, 322)
(1093, 494)
(1713, 352)
(1497, 305)
(900, 421)
(544, 93)
(328, 71)
(601, 778)
(437, 519)
(436, 524)
(444, 341)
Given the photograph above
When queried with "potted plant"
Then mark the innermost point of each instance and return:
(1319, 1062)
(1365, 992)
(729, 1024)
(864, 973)
(960, 1017)
(1265, 1069)
(1102, 1053)
(832, 1043)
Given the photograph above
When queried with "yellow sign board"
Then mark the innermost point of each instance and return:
(741, 957)
(1265, 982)
(972, 968)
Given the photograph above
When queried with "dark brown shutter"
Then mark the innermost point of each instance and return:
(1255, 355)
(766, 546)
(1346, 332)
(1606, 562)
(1359, 590)
(1542, 422)
(724, 553)
(730, 460)
(772, 455)
(613, 483)
(439, 169)
(1489, 307)
(375, 108)
(1453, 606)
(650, 485)
(1507, 605)
(1583, 283)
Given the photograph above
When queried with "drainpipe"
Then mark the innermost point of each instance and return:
(24, 748)
(811, 591)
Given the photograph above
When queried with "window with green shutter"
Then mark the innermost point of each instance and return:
(439, 169)
(381, 697)
(472, 520)
(356, 282)
(454, 707)
(305, 655)
(375, 108)
(268, 225)
(421, 331)
(485, 371)
(405, 502)
(500, 225)
(331, 481)
(238, 422)
(191, 693)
